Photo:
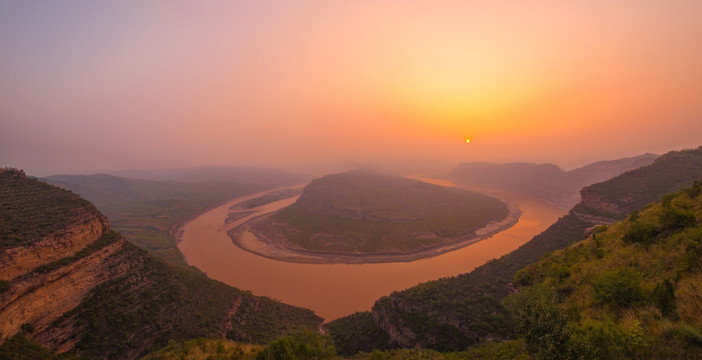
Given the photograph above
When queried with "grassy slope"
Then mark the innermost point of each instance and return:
(362, 211)
(145, 211)
(621, 293)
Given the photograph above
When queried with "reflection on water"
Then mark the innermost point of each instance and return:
(335, 290)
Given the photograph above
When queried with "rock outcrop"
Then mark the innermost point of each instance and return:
(19, 260)
(41, 298)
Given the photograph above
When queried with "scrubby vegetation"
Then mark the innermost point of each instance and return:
(301, 345)
(205, 349)
(19, 347)
(311, 345)
(622, 293)
(31, 209)
(453, 313)
(365, 212)
(357, 332)
(156, 302)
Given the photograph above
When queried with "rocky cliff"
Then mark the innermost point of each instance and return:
(35, 234)
(20, 260)
(72, 284)
(41, 298)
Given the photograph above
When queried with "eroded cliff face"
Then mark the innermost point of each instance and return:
(597, 202)
(81, 287)
(23, 259)
(41, 298)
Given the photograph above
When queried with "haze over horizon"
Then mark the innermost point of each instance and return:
(128, 84)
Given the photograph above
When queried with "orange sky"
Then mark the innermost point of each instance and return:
(134, 84)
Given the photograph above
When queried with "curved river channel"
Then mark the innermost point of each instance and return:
(336, 290)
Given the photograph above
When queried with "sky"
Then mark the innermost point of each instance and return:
(106, 85)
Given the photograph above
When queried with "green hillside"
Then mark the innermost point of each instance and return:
(630, 290)
(456, 312)
(366, 212)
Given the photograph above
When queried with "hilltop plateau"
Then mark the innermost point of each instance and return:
(361, 213)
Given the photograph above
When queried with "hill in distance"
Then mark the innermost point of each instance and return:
(546, 181)
(269, 178)
(365, 212)
(72, 284)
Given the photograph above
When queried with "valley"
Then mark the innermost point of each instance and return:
(334, 290)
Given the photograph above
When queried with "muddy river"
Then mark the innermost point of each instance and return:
(336, 290)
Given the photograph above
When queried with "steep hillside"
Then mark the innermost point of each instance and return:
(631, 290)
(146, 211)
(547, 181)
(456, 312)
(366, 212)
(634, 189)
(76, 285)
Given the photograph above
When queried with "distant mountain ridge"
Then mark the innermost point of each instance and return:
(240, 174)
(546, 181)
(453, 313)
(72, 284)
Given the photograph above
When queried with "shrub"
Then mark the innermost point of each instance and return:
(674, 219)
(4, 286)
(542, 325)
(618, 287)
(664, 297)
(695, 189)
(689, 334)
(641, 232)
(523, 278)
(28, 328)
(691, 260)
